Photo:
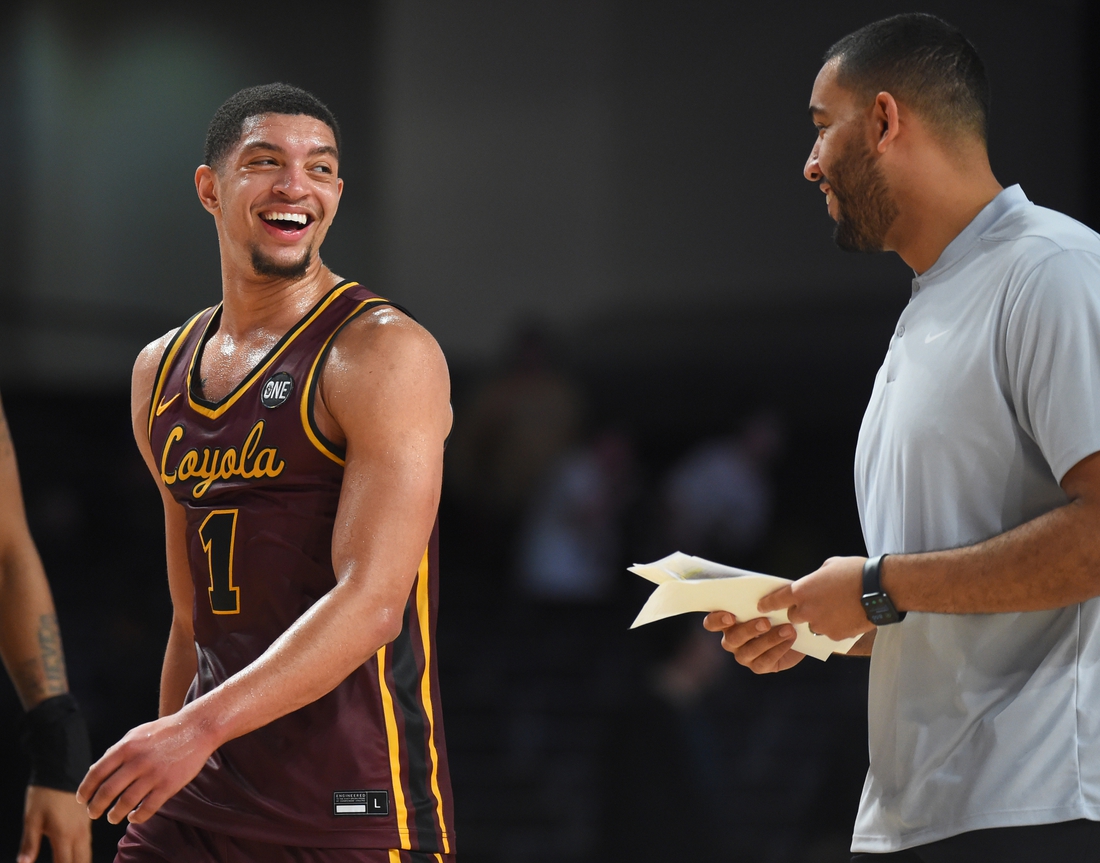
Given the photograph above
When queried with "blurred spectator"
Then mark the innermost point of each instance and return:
(565, 651)
(517, 426)
(571, 542)
(716, 502)
(718, 499)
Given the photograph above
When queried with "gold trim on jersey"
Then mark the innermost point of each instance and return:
(256, 373)
(423, 601)
(155, 408)
(393, 741)
(308, 389)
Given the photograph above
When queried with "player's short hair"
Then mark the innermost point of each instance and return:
(228, 121)
(922, 61)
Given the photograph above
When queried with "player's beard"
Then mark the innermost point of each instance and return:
(865, 207)
(262, 265)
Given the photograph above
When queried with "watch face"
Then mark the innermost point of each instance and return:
(880, 610)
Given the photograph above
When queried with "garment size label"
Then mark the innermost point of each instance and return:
(360, 803)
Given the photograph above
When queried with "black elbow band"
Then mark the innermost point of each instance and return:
(55, 739)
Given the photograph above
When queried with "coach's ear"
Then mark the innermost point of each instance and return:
(885, 115)
(207, 187)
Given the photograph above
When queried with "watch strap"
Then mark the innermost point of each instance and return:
(876, 603)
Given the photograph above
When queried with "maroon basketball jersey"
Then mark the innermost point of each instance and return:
(365, 765)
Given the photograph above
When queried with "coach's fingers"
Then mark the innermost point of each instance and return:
(748, 650)
(795, 615)
(716, 621)
(789, 659)
(776, 600)
(733, 637)
(775, 658)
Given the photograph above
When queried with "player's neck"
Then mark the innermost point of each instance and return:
(253, 303)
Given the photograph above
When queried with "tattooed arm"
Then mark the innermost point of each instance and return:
(30, 642)
(30, 645)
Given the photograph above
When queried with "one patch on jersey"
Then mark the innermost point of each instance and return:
(276, 390)
(360, 803)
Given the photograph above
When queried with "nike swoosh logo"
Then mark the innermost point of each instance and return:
(163, 406)
(931, 338)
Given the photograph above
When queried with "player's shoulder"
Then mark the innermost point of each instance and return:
(144, 374)
(154, 354)
(384, 332)
(149, 358)
(153, 357)
(150, 355)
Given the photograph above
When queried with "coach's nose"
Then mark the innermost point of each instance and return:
(812, 170)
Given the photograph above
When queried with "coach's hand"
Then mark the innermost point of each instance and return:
(146, 767)
(828, 599)
(756, 644)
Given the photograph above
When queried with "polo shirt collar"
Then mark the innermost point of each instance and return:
(1006, 201)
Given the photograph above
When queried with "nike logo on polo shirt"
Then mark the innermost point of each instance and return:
(931, 338)
(163, 406)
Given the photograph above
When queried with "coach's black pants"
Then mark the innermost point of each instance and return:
(1065, 842)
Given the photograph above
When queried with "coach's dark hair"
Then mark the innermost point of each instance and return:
(228, 122)
(922, 61)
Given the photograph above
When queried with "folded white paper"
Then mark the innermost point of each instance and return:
(686, 583)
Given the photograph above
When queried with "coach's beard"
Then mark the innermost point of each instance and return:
(262, 265)
(865, 207)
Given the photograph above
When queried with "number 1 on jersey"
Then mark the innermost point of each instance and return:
(218, 533)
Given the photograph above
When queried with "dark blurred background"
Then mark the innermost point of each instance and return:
(597, 207)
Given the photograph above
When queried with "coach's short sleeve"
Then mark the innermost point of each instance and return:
(1052, 351)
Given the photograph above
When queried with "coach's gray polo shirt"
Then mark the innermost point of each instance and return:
(989, 393)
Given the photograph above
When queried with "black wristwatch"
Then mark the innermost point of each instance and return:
(876, 604)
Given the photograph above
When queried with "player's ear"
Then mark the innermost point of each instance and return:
(206, 185)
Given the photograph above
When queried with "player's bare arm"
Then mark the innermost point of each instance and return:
(384, 393)
(30, 645)
(179, 665)
(30, 641)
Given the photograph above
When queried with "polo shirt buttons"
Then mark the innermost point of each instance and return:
(901, 330)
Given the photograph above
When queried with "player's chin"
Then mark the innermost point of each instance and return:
(283, 262)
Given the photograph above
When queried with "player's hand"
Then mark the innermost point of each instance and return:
(146, 767)
(58, 816)
(828, 599)
(756, 644)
